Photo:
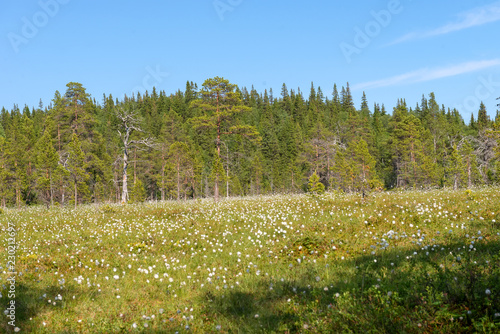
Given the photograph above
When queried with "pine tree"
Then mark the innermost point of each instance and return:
(221, 105)
(76, 112)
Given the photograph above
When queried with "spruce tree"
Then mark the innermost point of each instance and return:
(76, 168)
(482, 117)
(455, 168)
(138, 192)
(217, 174)
(363, 165)
(5, 173)
(182, 164)
(469, 159)
(315, 186)
(46, 166)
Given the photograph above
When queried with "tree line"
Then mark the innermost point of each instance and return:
(222, 140)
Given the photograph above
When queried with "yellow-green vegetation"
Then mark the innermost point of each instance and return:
(394, 262)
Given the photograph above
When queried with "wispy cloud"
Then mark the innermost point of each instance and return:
(428, 74)
(474, 17)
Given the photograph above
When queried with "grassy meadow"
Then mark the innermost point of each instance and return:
(396, 262)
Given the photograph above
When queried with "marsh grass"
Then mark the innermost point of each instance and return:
(413, 262)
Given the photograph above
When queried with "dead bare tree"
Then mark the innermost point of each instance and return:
(484, 149)
(129, 123)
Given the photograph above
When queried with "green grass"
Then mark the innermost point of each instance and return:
(398, 262)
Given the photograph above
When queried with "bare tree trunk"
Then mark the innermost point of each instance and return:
(124, 185)
(129, 124)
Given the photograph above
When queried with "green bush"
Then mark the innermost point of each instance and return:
(315, 186)
(108, 209)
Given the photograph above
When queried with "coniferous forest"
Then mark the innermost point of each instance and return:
(220, 139)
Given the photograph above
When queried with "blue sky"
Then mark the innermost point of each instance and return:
(390, 49)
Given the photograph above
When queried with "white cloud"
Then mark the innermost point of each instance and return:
(474, 17)
(426, 74)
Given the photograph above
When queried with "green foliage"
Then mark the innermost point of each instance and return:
(138, 192)
(108, 209)
(217, 174)
(46, 163)
(315, 186)
(267, 143)
(76, 169)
